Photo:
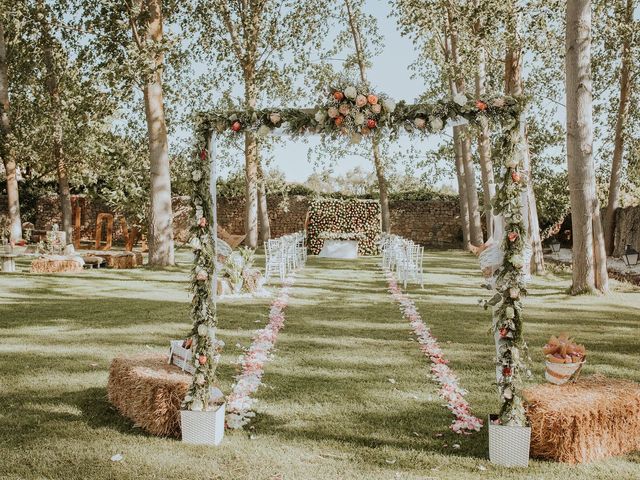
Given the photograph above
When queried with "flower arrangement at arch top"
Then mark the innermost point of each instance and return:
(354, 110)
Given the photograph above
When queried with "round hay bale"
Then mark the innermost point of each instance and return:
(149, 392)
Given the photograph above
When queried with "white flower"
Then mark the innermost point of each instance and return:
(420, 122)
(275, 117)
(509, 312)
(350, 92)
(460, 99)
(376, 108)
(200, 379)
(202, 329)
(320, 116)
(197, 405)
(263, 131)
(359, 118)
(332, 112)
(196, 175)
(389, 105)
(195, 243)
(436, 124)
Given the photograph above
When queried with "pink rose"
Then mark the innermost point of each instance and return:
(361, 101)
(376, 108)
(202, 275)
(344, 109)
(333, 112)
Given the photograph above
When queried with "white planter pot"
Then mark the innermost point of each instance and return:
(509, 445)
(203, 428)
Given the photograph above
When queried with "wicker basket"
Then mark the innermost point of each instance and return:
(508, 445)
(181, 357)
(203, 428)
(561, 373)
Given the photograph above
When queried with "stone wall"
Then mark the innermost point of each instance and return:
(431, 223)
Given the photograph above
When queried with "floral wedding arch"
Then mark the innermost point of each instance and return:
(355, 113)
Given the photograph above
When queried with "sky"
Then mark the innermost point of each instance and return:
(389, 74)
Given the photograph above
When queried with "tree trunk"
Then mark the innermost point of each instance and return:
(580, 150)
(513, 86)
(618, 148)
(161, 247)
(457, 85)
(52, 83)
(462, 189)
(382, 186)
(263, 211)
(484, 147)
(6, 151)
(475, 222)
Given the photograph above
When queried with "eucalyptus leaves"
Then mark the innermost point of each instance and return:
(202, 341)
(511, 278)
(355, 112)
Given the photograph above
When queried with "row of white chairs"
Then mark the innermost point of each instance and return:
(285, 254)
(404, 257)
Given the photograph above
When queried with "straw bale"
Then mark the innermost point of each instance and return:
(148, 391)
(594, 418)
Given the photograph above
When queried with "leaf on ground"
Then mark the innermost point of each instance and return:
(118, 457)
(391, 380)
(390, 461)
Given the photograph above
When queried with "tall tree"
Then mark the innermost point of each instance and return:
(55, 58)
(6, 150)
(461, 133)
(247, 41)
(128, 46)
(355, 18)
(589, 257)
(623, 35)
(513, 86)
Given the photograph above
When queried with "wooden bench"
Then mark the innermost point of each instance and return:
(594, 418)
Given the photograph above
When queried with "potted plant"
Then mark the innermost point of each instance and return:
(203, 409)
(509, 433)
(564, 359)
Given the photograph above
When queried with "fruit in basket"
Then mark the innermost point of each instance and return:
(563, 349)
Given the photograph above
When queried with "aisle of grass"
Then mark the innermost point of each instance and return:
(346, 396)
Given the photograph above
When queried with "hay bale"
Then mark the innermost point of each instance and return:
(595, 418)
(49, 265)
(148, 391)
(120, 260)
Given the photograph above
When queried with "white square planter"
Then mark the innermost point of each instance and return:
(203, 428)
(181, 357)
(509, 445)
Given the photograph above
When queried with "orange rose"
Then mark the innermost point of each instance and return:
(371, 123)
(372, 99)
(338, 96)
(480, 105)
(515, 176)
(236, 126)
(339, 119)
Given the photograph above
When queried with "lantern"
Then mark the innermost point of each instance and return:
(555, 246)
(630, 256)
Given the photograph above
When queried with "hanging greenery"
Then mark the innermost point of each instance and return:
(511, 279)
(202, 341)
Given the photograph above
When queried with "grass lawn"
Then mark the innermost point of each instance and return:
(328, 409)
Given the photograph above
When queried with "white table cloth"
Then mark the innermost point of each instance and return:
(342, 249)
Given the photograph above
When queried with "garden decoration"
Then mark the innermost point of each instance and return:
(564, 359)
(356, 113)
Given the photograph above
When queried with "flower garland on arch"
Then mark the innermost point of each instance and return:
(363, 112)
(465, 422)
(240, 401)
(202, 341)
